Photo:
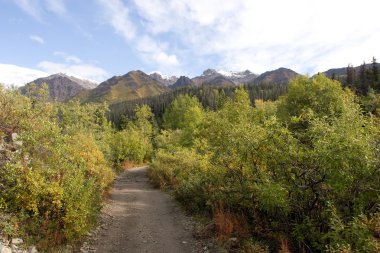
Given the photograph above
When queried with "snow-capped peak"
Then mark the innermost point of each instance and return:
(163, 76)
(164, 79)
(231, 74)
(234, 73)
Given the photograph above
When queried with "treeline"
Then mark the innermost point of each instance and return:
(210, 97)
(297, 175)
(363, 79)
(56, 162)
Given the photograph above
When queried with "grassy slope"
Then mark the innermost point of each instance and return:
(131, 86)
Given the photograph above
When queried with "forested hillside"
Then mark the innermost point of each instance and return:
(210, 97)
(362, 79)
(296, 175)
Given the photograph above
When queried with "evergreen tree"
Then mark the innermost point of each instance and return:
(363, 86)
(350, 75)
(375, 74)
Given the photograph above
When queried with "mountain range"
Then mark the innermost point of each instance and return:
(137, 84)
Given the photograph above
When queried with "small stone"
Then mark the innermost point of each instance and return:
(184, 242)
(5, 249)
(17, 241)
(33, 249)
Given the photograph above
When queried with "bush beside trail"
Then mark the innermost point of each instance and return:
(296, 175)
(56, 162)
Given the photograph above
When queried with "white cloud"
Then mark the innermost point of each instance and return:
(86, 71)
(18, 76)
(36, 8)
(117, 14)
(56, 6)
(68, 57)
(165, 59)
(154, 51)
(37, 39)
(30, 7)
(263, 35)
(306, 36)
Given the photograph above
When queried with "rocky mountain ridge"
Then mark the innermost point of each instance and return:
(61, 87)
(164, 79)
(182, 81)
(221, 77)
(137, 84)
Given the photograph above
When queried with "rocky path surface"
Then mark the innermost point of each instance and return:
(139, 218)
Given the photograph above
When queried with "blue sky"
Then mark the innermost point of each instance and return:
(97, 39)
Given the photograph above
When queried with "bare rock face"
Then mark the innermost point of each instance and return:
(61, 87)
(224, 78)
(183, 81)
(243, 77)
(207, 77)
(165, 80)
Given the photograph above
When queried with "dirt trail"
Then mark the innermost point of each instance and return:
(139, 218)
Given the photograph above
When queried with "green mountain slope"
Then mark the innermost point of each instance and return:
(133, 85)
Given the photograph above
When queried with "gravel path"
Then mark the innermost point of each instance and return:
(139, 218)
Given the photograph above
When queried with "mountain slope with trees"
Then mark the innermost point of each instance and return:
(210, 97)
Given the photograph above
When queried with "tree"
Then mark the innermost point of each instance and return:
(363, 86)
(375, 74)
(308, 99)
(181, 107)
(144, 120)
(350, 73)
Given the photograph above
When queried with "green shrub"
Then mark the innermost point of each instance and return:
(278, 166)
(53, 179)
